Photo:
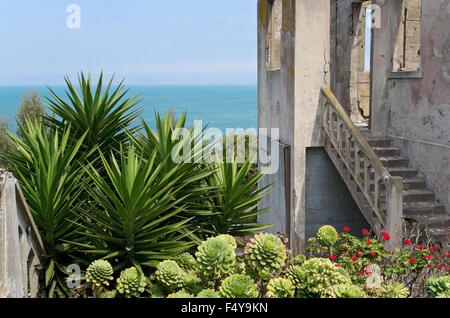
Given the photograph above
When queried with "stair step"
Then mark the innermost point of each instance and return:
(394, 162)
(386, 151)
(381, 142)
(408, 184)
(424, 208)
(414, 195)
(404, 172)
(432, 221)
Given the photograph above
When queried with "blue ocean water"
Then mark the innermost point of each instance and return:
(221, 106)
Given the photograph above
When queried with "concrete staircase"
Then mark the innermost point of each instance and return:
(420, 205)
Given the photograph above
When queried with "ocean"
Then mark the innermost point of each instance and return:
(221, 106)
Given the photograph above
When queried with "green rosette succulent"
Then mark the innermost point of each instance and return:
(280, 288)
(155, 289)
(186, 261)
(131, 282)
(99, 273)
(393, 290)
(180, 294)
(208, 293)
(169, 274)
(265, 255)
(298, 260)
(191, 283)
(108, 294)
(347, 291)
(439, 286)
(327, 236)
(231, 240)
(238, 286)
(315, 276)
(216, 257)
(294, 274)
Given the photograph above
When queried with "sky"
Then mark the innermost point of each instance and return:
(144, 41)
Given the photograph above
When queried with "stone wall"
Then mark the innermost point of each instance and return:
(20, 244)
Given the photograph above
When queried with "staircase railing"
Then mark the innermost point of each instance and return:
(362, 170)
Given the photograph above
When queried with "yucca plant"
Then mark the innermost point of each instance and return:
(133, 215)
(103, 117)
(51, 182)
(235, 203)
(168, 141)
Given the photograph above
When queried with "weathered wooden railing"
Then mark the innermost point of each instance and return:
(362, 170)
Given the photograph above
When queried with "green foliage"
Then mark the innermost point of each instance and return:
(131, 282)
(393, 290)
(439, 286)
(108, 294)
(265, 254)
(280, 288)
(50, 178)
(99, 273)
(234, 203)
(31, 109)
(186, 261)
(192, 283)
(5, 144)
(208, 293)
(136, 205)
(101, 116)
(316, 275)
(298, 260)
(216, 257)
(327, 236)
(238, 286)
(169, 274)
(180, 294)
(347, 291)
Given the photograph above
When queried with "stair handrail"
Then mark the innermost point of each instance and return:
(394, 184)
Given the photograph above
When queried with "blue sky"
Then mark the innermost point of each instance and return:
(145, 41)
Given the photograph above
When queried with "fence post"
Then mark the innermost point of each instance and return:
(394, 211)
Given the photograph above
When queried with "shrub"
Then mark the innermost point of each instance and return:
(347, 291)
(265, 255)
(216, 257)
(238, 286)
(316, 275)
(131, 283)
(280, 288)
(439, 286)
(99, 273)
(169, 274)
(327, 236)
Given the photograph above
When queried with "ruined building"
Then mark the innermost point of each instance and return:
(360, 92)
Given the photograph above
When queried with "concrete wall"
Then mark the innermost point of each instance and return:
(413, 107)
(335, 207)
(20, 243)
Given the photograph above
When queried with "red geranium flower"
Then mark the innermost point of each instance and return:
(337, 265)
(431, 249)
(386, 236)
(360, 273)
(371, 253)
(407, 242)
(359, 254)
(412, 260)
(369, 243)
(332, 257)
(365, 232)
(346, 229)
(428, 257)
(439, 266)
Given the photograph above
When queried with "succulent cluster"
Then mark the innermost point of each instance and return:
(327, 236)
(280, 288)
(393, 290)
(208, 293)
(265, 254)
(216, 256)
(238, 286)
(99, 273)
(347, 291)
(316, 275)
(131, 282)
(439, 286)
(169, 274)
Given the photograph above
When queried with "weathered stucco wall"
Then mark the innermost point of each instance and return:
(419, 108)
(20, 244)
